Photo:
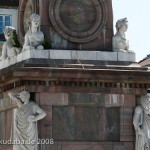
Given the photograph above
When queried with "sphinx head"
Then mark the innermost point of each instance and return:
(122, 24)
(8, 32)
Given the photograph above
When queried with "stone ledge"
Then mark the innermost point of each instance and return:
(68, 55)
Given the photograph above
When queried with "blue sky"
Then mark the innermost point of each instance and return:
(138, 15)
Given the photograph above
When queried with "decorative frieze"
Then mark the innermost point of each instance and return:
(74, 85)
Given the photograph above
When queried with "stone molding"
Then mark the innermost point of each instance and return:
(70, 86)
(75, 80)
(67, 55)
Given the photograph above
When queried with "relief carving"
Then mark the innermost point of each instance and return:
(119, 41)
(27, 115)
(141, 122)
(69, 19)
(8, 49)
(34, 37)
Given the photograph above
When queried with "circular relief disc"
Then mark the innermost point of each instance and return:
(78, 20)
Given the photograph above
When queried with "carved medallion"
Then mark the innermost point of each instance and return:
(78, 21)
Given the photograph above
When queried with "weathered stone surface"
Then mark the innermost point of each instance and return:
(8, 124)
(109, 56)
(1, 46)
(12, 60)
(49, 57)
(78, 123)
(58, 99)
(45, 125)
(63, 123)
(123, 146)
(6, 147)
(4, 64)
(97, 146)
(84, 55)
(112, 124)
(86, 146)
(114, 100)
(124, 56)
(5, 102)
(60, 54)
(86, 99)
(2, 125)
(48, 147)
(126, 125)
(129, 100)
(86, 125)
(33, 54)
(119, 100)
(43, 11)
(101, 127)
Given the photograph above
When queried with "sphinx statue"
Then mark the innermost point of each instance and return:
(34, 37)
(119, 41)
(8, 49)
(141, 122)
(27, 115)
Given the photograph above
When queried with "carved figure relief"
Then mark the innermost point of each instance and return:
(141, 122)
(27, 115)
(8, 49)
(34, 37)
(120, 43)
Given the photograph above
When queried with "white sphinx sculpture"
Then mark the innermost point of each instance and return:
(8, 49)
(34, 37)
(141, 122)
(120, 44)
(27, 115)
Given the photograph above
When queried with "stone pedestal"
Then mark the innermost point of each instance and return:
(53, 58)
(87, 108)
(87, 91)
